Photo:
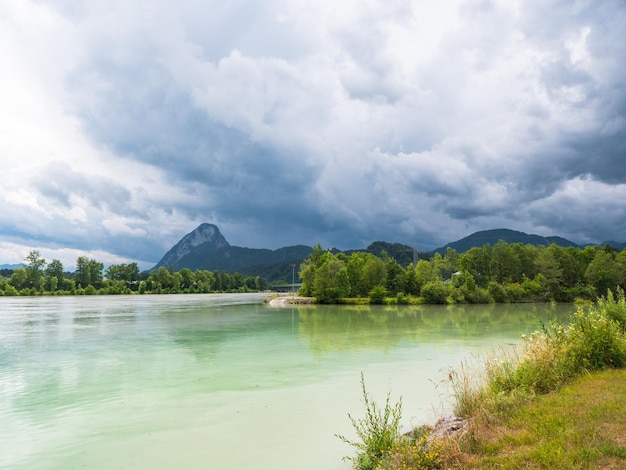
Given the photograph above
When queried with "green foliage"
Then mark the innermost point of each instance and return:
(552, 356)
(378, 431)
(33, 268)
(331, 281)
(435, 293)
(88, 272)
(502, 273)
(614, 307)
(498, 292)
(414, 453)
(378, 295)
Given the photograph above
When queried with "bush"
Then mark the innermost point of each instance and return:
(378, 295)
(614, 308)
(379, 431)
(498, 292)
(435, 293)
(557, 354)
(552, 356)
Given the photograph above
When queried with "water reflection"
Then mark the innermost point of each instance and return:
(335, 329)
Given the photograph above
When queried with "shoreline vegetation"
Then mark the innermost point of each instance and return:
(502, 273)
(558, 402)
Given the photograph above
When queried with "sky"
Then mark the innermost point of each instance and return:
(124, 125)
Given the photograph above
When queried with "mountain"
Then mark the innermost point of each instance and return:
(206, 248)
(11, 266)
(207, 236)
(492, 237)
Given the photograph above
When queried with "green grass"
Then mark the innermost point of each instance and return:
(581, 426)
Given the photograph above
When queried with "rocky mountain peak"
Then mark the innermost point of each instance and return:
(206, 235)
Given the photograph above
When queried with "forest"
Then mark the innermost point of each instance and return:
(500, 273)
(91, 278)
(503, 272)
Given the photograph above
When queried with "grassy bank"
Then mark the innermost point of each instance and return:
(558, 402)
(581, 426)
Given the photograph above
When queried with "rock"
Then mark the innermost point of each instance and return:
(447, 427)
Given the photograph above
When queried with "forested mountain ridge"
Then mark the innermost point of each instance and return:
(206, 248)
(478, 239)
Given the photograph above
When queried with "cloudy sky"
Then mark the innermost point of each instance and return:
(125, 124)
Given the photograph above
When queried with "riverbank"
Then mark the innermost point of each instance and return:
(556, 403)
(582, 425)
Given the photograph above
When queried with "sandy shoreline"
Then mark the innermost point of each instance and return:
(284, 300)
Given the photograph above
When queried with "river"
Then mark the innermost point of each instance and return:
(223, 381)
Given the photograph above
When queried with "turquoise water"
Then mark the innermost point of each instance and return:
(222, 381)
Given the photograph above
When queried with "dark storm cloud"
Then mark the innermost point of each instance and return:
(284, 122)
(60, 183)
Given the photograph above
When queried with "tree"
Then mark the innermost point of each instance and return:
(308, 269)
(505, 264)
(331, 280)
(34, 267)
(355, 265)
(395, 276)
(88, 272)
(477, 262)
(425, 272)
(54, 275)
(374, 273)
(548, 266)
(411, 285)
(18, 278)
(188, 279)
(603, 272)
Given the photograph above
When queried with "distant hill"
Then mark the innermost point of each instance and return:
(403, 254)
(235, 258)
(206, 248)
(616, 245)
(11, 266)
(510, 236)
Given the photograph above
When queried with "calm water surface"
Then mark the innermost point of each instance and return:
(222, 381)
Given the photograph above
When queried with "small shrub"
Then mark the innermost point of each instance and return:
(379, 431)
(498, 292)
(435, 293)
(614, 307)
(378, 295)
(595, 341)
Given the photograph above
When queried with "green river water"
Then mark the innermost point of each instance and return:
(222, 381)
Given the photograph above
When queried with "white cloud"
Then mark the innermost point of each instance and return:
(123, 124)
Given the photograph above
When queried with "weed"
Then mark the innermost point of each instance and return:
(379, 431)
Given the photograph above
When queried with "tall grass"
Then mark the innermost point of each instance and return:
(549, 358)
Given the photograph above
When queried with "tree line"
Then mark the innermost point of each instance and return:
(38, 277)
(503, 272)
